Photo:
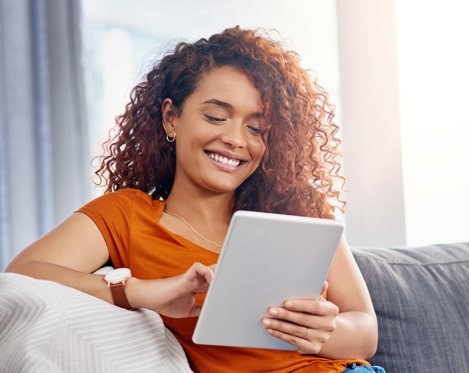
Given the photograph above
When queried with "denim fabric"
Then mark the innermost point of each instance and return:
(364, 369)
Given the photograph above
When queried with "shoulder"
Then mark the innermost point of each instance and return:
(122, 200)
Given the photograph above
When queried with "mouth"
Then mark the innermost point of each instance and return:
(231, 162)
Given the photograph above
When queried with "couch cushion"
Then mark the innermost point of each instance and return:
(421, 298)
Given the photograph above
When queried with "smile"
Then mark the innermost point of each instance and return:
(224, 160)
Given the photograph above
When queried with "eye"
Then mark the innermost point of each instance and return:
(256, 129)
(212, 119)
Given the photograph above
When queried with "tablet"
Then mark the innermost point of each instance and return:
(266, 258)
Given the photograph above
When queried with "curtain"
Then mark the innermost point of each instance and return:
(43, 140)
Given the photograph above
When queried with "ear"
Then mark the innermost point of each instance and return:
(168, 114)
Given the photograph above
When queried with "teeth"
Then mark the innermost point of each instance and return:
(224, 160)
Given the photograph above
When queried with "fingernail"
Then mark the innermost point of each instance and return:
(288, 304)
(266, 322)
(273, 311)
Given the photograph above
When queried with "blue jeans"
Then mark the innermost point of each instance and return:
(354, 368)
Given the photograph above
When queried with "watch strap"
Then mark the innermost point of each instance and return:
(118, 295)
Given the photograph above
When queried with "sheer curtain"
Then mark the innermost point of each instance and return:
(43, 155)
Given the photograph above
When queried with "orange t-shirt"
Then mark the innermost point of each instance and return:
(129, 222)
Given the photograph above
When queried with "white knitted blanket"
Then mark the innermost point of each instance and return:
(48, 327)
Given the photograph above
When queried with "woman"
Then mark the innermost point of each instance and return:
(223, 124)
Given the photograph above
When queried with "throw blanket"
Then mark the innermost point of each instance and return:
(48, 327)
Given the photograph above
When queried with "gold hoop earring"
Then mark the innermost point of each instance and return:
(171, 137)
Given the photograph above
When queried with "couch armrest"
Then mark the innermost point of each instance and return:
(48, 327)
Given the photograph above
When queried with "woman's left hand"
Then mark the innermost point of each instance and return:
(304, 323)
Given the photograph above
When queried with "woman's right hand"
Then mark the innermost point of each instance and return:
(61, 257)
(173, 296)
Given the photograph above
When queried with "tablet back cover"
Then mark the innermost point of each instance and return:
(266, 259)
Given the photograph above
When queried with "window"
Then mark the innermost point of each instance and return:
(121, 39)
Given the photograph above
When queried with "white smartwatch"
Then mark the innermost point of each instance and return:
(116, 280)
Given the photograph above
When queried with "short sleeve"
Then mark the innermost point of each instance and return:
(112, 214)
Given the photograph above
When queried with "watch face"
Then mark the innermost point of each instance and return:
(118, 275)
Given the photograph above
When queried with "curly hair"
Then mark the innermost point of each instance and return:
(299, 172)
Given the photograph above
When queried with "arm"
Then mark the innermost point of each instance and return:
(344, 326)
(74, 249)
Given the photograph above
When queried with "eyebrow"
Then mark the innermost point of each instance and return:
(228, 106)
(217, 102)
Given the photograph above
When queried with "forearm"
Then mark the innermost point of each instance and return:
(172, 296)
(355, 336)
(85, 282)
(91, 284)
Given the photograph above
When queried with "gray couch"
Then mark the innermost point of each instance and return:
(421, 297)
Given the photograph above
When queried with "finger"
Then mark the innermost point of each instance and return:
(209, 275)
(203, 271)
(293, 319)
(287, 328)
(196, 279)
(195, 310)
(306, 343)
(318, 307)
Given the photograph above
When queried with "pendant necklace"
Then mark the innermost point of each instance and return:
(218, 246)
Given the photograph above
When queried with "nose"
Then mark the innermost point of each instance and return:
(234, 135)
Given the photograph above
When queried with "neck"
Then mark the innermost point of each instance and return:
(214, 210)
(204, 220)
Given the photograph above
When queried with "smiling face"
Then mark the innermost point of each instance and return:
(219, 133)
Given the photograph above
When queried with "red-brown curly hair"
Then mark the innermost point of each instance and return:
(299, 173)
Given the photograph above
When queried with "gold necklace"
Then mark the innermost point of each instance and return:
(193, 229)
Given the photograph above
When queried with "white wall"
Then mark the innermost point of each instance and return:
(433, 55)
(370, 123)
(404, 80)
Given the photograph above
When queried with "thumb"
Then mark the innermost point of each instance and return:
(325, 286)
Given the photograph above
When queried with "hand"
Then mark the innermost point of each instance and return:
(175, 296)
(304, 323)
